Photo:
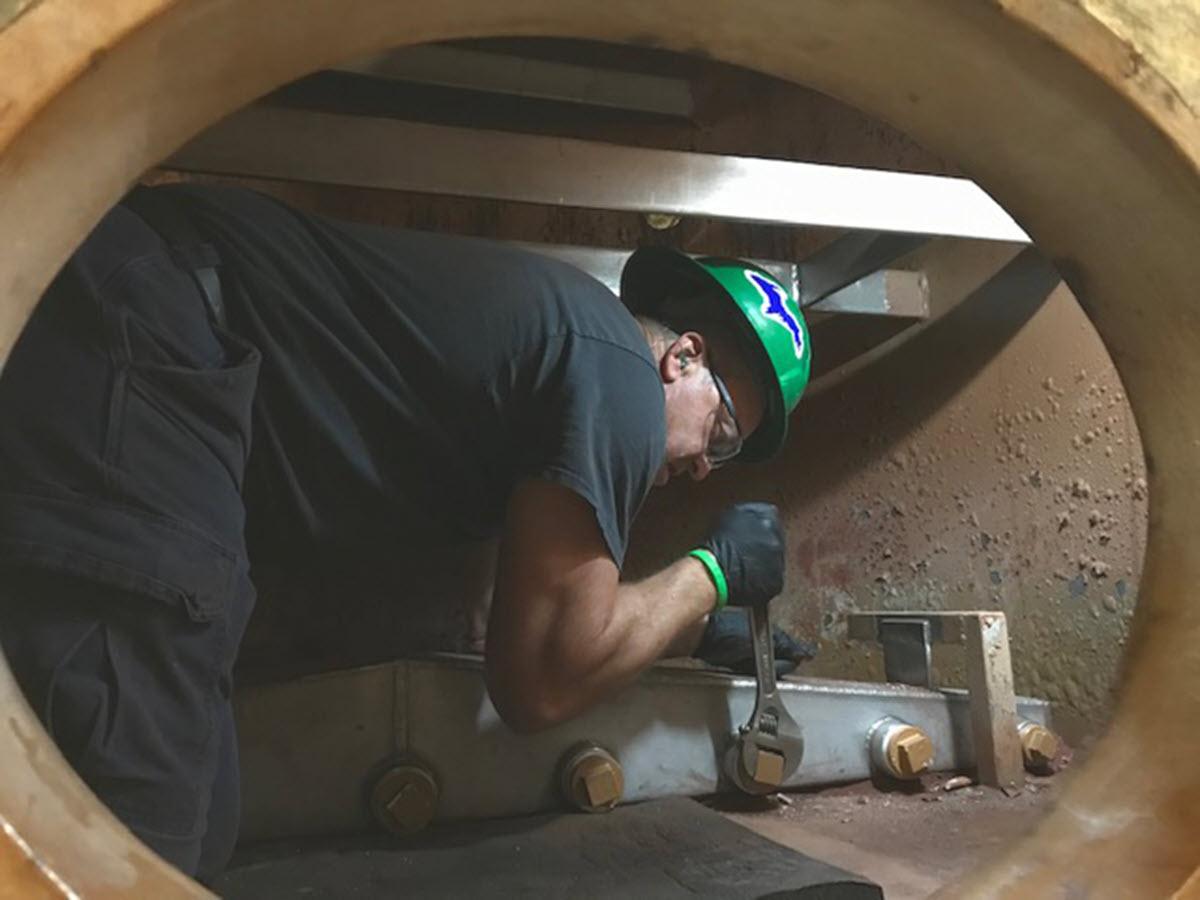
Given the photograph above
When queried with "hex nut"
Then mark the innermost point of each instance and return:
(592, 780)
(768, 767)
(909, 752)
(899, 749)
(914, 753)
(1039, 746)
(404, 799)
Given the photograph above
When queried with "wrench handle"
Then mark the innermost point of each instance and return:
(764, 652)
(769, 747)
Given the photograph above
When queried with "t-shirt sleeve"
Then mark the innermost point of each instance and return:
(605, 436)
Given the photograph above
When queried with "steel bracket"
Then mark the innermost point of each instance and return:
(907, 639)
(907, 651)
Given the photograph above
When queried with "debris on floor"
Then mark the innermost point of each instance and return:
(911, 838)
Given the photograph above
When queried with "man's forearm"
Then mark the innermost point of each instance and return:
(654, 595)
(687, 641)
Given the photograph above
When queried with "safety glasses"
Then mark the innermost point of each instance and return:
(725, 439)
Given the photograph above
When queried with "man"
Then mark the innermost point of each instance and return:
(215, 377)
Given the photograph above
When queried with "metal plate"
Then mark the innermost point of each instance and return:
(906, 652)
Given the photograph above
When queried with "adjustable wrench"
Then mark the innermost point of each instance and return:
(768, 748)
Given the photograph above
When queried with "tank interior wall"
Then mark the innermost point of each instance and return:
(990, 463)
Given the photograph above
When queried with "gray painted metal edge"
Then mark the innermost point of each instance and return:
(504, 73)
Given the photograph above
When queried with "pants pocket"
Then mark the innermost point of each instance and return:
(77, 708)
(179, 422)
(133, 706)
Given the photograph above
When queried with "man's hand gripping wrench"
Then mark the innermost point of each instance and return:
(768, 748)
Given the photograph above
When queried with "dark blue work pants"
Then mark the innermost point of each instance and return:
(124, 586)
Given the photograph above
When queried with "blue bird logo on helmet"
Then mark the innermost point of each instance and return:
(775, 308)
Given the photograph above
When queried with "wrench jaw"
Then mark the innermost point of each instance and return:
(758, 763)
(767, 750)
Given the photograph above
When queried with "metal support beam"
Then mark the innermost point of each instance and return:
(889, 293)
(605, 265)
(896, 293)
(850, 258)
(385, 153)
(310, 747)
(955, 271)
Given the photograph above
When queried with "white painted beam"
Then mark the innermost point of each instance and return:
(387, 153)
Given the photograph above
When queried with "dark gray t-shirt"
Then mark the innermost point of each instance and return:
(410, 380)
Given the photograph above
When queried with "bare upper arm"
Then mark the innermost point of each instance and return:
(552, 559)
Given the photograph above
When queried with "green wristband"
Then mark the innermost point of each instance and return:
(715, 573)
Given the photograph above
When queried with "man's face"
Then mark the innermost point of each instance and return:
(705, 424)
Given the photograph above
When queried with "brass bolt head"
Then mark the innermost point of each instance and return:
(1039, 746)
(909, 752)
(592, 779)
(404, 799)
(768, 767)
(914, 753)
(601, 781)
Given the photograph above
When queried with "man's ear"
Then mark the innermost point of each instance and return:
(685, 353)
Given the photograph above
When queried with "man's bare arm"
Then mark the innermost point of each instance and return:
(564, 632)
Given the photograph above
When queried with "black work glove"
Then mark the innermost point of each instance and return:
(726, 644)
(747, 544)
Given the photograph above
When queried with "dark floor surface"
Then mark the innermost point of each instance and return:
(662, 850)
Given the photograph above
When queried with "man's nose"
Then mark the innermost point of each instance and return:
(700, 467)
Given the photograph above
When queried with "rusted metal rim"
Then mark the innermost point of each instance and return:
(1078, 130)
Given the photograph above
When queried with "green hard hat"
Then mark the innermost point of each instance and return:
(764, 316)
